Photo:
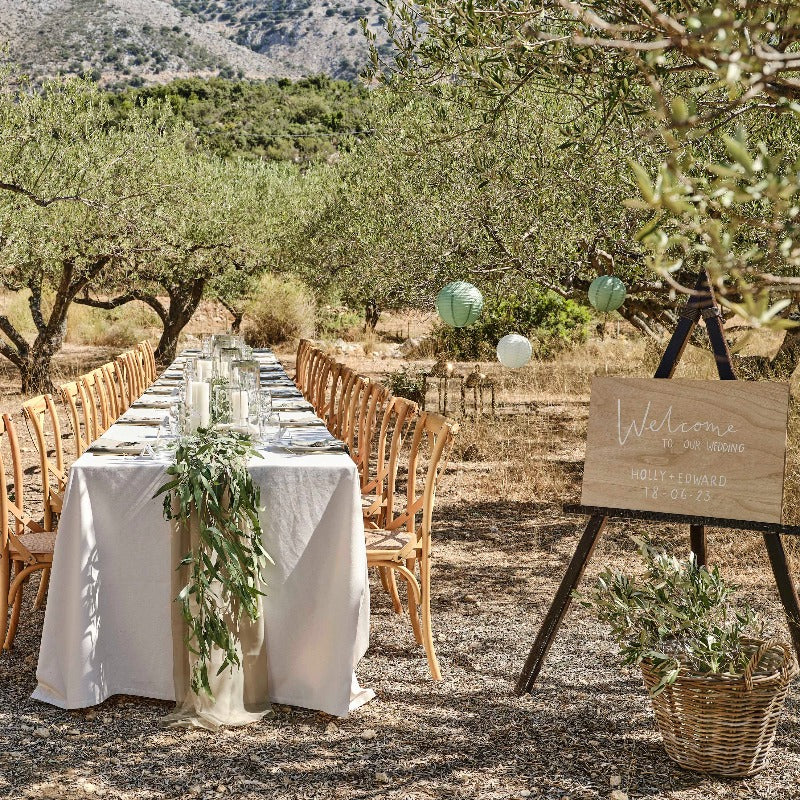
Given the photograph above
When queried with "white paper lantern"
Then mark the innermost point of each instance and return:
(514, 351)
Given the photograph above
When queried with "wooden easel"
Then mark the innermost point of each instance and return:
(701, 304)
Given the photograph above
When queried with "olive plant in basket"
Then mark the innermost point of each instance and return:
(716, 685)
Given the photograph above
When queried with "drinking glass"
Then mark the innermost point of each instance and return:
(272, 428)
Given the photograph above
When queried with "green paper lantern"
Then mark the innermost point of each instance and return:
(459, 304)
(607, 293)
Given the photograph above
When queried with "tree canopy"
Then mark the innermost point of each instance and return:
(302, 121)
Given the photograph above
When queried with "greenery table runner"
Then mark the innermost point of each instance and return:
(219, 648)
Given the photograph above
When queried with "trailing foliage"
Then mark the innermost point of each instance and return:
(550, 321)
(676, 615)
(209, 482)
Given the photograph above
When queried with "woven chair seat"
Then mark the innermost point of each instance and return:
(38, 543)
(388, 544)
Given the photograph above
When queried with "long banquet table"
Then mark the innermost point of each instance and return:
(107, 627)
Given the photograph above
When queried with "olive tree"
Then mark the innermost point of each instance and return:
(77, 202)
(716, 83)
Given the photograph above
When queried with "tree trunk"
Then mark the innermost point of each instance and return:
(372, 313)
(35, 372)
(183, 302)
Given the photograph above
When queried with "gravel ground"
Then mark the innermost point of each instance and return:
(585, 732)
(586, 728)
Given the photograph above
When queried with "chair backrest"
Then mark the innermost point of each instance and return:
(319, 382)
(430, 445)
(89, 384)
(14, 505)
(74, 394)
(133, 374)
(107, 372)
(398, 415)
(372, 402)
(149, 356)
(301, 364)
(40, 413)
(115, 377)
(341, 411)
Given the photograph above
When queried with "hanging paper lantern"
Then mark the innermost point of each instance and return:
(459, 304)
(514, 351)
(607, 293)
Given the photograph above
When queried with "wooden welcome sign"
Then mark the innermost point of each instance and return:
(700, 448)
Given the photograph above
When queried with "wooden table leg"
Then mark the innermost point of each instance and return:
(697, 536)
(785, 584)
(561, 603)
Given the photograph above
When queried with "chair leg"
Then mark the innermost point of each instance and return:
(15, 601)
(392, 589)
(425, 580)
(5, 581)
(44, 584)
(413, 611)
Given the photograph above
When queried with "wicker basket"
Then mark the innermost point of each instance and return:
(724, 725)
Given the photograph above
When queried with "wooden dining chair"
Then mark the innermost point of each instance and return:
(95, 384)
(25, 547)
(134, 379)
(332, 388)
(40, 415)
(149, 356)
(107, 375)
(301, 364)
(80, 413)
(372, 402)
(89, 384)
(403, 545)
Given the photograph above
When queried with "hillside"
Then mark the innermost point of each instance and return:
(153, 41)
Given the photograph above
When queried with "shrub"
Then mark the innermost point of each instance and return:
(281, 309)
(550, 321)
(338, 322)
(120, 327)
(406, 382)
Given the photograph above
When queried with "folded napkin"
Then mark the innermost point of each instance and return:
(114, 447)
(154, 402)
(153, 422)
(305, 445)
(279, 404)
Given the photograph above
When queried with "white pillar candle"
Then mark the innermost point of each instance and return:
(201, 394)
(236, 413)
(203, 369)
(225, 369)
(239, 406)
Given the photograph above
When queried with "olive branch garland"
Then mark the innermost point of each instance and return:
(209, 478)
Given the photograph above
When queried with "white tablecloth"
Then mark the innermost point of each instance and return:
(107, 625)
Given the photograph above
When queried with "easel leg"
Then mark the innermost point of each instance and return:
(786, 589)
(561, 603)
(697, 537)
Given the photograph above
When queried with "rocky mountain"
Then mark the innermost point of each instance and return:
(136, 42)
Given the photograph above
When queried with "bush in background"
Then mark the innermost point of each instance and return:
(121, 327)
(338, 322)
(282, 309)
(406, 382)
(548, 320)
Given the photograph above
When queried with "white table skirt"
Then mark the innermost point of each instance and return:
(107, 625)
